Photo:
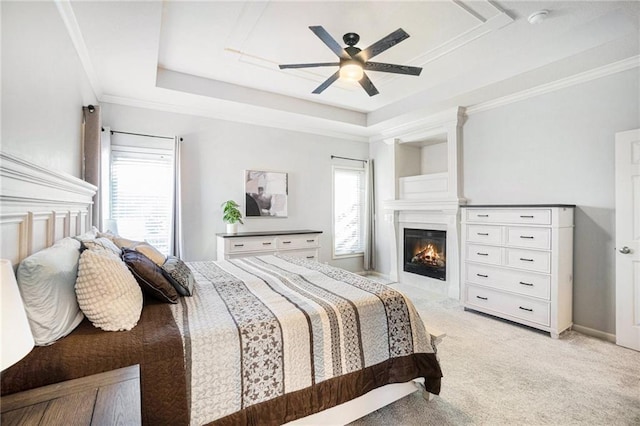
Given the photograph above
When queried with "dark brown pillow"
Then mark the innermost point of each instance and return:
(149, 276)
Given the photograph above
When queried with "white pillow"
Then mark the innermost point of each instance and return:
(46, 280)
(103, 244)
(107, 292)
(89, 235)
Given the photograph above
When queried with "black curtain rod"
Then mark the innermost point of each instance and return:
(140, 134)
(351, 159)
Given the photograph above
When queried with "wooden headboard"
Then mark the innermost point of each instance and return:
(38, 207)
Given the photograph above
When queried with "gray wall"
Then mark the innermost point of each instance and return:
(559, 148)
(214, 157)
(43, 87)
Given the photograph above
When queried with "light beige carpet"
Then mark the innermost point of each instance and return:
(499, 373)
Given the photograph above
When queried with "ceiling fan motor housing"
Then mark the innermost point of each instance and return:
(352, 51)
(351, 39)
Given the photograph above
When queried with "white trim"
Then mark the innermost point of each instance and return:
(583, 77)
(73, 28)
(31, 196)
(595, 333)
(423, 128)
(20, 180)
(252, 119)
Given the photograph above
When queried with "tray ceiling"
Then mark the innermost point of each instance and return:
(220, 59)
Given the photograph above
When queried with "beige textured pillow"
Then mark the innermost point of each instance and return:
(141, 247)
(151, 252)
(107, 292)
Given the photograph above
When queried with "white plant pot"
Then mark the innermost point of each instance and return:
(232, 228)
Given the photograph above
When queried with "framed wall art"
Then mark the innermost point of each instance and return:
(266, 193)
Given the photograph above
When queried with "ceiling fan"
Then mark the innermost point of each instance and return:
(354, 61)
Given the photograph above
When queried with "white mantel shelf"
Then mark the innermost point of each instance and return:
(424, 205)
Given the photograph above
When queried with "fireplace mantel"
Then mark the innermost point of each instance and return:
(444, 205)
(425, 166)
(439, 215)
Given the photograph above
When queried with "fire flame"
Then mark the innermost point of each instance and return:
(428, 255)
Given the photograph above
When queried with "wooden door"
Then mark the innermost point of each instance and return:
(628, 239)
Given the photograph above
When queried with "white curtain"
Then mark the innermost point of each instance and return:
(369, 219)
(176, 243)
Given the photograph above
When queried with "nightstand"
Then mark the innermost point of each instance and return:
(102, 399)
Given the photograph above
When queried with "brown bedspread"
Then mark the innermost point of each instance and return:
(155, 344)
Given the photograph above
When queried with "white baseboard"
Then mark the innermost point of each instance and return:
(595, 333)
(378, 274)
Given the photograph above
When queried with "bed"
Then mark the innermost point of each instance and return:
(263, 340)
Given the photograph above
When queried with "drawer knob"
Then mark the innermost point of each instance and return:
(266, 244)
(286, 242)
(526, 309)
(524, 216)
(483, 215)
(483, 276)
(528, 284)
(526, 260)
(482, 254)
(482, 298)
(484, 234)
(238, 245)
(311, 241)
(528, 237)
(310, 257)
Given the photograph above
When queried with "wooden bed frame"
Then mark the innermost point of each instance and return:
(39, 206)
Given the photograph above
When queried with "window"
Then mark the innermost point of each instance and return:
(141, 195)
(348, 211)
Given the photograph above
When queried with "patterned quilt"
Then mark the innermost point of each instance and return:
(261, 327)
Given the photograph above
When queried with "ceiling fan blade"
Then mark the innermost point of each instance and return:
(330, 42)
(319, 64)
(368, 86)
(383, 44)
(327, 82)
(397, 69)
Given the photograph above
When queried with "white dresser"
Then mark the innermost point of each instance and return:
(303, 243)
(517, 263)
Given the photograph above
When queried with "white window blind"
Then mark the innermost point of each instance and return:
(142, 195)
(348, 211)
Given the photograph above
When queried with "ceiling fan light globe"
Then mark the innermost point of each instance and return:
(351, 72)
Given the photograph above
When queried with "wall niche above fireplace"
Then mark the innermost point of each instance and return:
(425, 252)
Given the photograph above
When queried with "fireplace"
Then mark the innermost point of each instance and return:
(425, 252)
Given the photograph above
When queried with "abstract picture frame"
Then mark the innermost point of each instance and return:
(266, 193)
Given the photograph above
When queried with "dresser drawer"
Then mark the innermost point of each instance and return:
(516, 216)
(484, 254)
(252, 244)
(521, 282)
(539, 238)
(293, 242)
(539, 261)
(484, 234)
(310, 254)
(522, 307)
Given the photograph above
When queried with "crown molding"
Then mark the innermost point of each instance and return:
(255, 119)
(425, 127)
(583, 77)
(73, 28)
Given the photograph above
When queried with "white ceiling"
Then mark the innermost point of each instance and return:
(220, 59)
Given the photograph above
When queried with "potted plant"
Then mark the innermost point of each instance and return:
(231, 216)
